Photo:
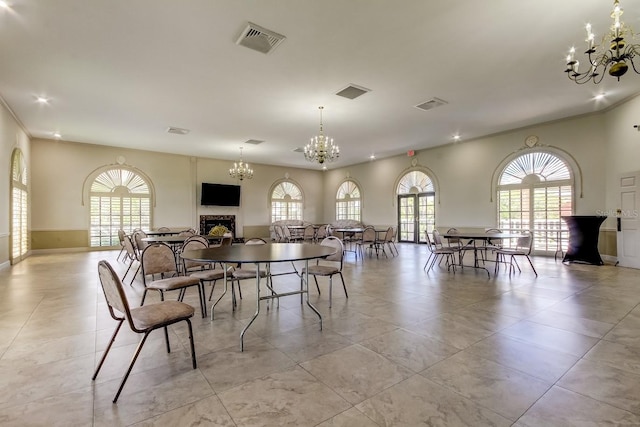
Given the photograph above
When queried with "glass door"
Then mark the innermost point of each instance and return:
(416, 216)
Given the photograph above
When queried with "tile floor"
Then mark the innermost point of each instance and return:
(407, 348)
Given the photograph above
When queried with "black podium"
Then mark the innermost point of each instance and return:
(583, 239)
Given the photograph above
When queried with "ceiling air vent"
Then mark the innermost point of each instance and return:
(353, 91)
(431, 104)
(254, 141)
(257, 38)
(177, 131)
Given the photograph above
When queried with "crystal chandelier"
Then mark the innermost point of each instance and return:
(241, 170)
(616, 57)
(321, 148)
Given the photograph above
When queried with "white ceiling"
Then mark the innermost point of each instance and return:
(120, 72)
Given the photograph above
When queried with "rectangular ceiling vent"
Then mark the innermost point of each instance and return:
(177, 131)
(353, 91)
(431, 104)
(254, 141)
(257, 38)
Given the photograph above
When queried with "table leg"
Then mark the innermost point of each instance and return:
(306, 290)
(224, 278)
(257, 307)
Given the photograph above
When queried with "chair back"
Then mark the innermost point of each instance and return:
(453, 241)
(198, 238)
(158, 258)
(493, 230)
(388, 236)
(187, 233)
(278, 230)
(369, 234)
(137, 240)
(164, 229)
(130, 248)
(309, 233)
(193, 245)
(121, 236)
(336, 243)
(322, 232)
(525, 243)
(430, 245)
(286, 233)
(437, 238)
(113, 291)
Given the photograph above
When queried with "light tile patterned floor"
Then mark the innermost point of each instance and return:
(406, 348)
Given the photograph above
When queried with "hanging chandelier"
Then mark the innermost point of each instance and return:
(321, 148)
(241, 170)
(616, 58)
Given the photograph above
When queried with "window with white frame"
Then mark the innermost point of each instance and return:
(348, 204)
(19, 207)
(534, 191)
(119, 198)
(286, 202)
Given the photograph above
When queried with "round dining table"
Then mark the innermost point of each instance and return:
(257, 254)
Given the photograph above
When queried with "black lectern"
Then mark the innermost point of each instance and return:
(583, 239)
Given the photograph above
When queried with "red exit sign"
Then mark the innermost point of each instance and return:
(411, 153)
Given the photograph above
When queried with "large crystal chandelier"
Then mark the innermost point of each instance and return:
(321, 148)
(241, 170)
(616, 57)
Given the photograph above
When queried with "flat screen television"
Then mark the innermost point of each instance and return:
(220, 195)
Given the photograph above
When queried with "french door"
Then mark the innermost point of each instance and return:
(416, 216)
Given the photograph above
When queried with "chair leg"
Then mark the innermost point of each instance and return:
(133, 361)
(203, 302)
(104, 356)
(213, 285)
(343, 285)
(330, 289)
(166, 339)
(193, 347)
(317, 286)
(532, 267)
(144, 295)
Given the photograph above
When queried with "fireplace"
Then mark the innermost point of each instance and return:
(207, 222)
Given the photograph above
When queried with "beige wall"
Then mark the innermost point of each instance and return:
(463, 173)
(603, 145)
(60, 208)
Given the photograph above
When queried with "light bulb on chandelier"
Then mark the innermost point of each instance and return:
(617, 57)
(241, 170)
(321, 148)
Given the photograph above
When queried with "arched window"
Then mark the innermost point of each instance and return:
(120, 198)
(348, 204)
(534, 191)
(19, 207)
(286, 202)
(416, 206)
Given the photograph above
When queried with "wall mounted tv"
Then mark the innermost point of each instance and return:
(220, 195)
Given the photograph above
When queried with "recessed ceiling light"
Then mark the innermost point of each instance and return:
(57, 135)
(372, 157)
(599, 96)
(42, 100)
(324, 167)
(456, 137)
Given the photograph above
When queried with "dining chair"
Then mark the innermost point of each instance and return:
(329, 266)
(388, 241)
(141, 320)
(367, 241)
(523, 248)
(164, 229)
(280, 237)
(159, 259)
(198, 238)
(309, 234)
(439, 251)
(321, 233)
(138, 243)
(121, 237)
(132, 256)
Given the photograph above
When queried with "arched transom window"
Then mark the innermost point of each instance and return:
(416, 207)
(286, 202)
(534, 191)
(19, 207)
(348, 204)
(120, 198)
